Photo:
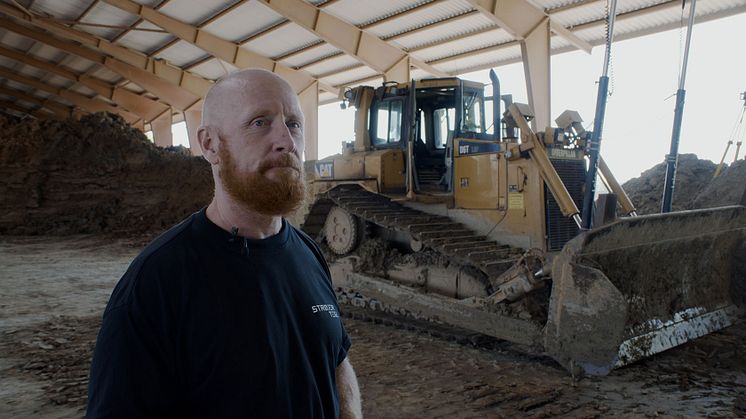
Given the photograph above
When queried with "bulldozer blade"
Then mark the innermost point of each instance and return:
(586, 318)
(643, 285)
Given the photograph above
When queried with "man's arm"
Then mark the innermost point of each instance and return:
(350, 406)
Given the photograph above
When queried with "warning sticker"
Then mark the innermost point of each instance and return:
(515, 200)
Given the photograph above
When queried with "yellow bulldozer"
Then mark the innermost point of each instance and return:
(484, 212)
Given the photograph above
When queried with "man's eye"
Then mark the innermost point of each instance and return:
(259, 123)
(294, 124)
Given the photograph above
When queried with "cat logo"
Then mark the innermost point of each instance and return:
(325, 170)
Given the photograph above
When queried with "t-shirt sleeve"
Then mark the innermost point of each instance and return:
(133, 368)
(346, 343)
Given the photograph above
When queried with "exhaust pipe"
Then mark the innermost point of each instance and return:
(496, 105)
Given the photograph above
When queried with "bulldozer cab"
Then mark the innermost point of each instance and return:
(422, 119)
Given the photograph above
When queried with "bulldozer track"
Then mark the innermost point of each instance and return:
(483, 258)
(358, 307)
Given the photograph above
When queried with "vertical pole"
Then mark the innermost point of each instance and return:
(162, 134)
(598, 124)
(193, 119)
(673, 155)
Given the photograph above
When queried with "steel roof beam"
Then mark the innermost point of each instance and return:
(79, 100)
(418, 8)
(55, 107)
(173, 95)
(34, 112)
(387, 59)
(223, 49)
(193, 83)
(520, 18)
(147, 109)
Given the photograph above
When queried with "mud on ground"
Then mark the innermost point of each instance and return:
(54, 290)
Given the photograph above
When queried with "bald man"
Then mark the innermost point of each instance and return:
(231, 313)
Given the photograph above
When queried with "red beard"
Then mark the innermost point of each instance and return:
(258, 193)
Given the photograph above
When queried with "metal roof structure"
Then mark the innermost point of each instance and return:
(152, 61)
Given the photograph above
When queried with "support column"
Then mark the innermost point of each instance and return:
(535, 50)
(399, 72)
(193, 119)
(161, 126)
(78, 113)
(309, 103)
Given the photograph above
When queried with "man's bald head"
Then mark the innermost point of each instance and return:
(225, 97)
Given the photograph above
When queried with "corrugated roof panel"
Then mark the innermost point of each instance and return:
(62, 83)
(358, 13)
(332, 64)
(61, 9)
(7, 63)
(419, 17)
(132, 87)
(245, 20)
(281, 41)
(13, 40)
(104, 14)
(580, 14)
(145, 41)
(150, 3)
(24, 104)
(182, 53)
(466, 64)
(597, 11)
(107, 75)
(345, 77)
(446, 30)
(310, 55)
(78, 65)
(77, 87)
(45, 95)
(30, 71)
(44, 52)
(194, 12)
(557, 42)
(553, 4)
(17, 86)
(213, 69)
(458, 46)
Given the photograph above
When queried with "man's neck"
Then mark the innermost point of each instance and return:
(229, 215)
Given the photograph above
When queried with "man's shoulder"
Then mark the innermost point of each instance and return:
(159, 266)
(176, 239)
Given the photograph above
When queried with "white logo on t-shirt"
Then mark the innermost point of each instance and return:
(328, 308)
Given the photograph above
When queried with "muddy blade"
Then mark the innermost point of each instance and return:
(673, 277)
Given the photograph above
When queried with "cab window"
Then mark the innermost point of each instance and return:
(388, 116)
(443, 121)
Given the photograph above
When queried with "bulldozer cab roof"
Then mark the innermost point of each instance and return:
(443, 82)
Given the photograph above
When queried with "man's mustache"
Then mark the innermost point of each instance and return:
(285, 160)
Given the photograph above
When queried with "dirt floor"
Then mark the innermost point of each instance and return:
(54, 289)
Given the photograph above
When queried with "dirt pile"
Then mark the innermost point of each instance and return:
(694, 187)
(95, 175)
(726, 189)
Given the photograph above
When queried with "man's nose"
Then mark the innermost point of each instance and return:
(283, 139)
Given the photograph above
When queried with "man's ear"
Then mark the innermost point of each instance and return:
(208, 142)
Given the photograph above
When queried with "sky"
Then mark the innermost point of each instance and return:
(639, 115)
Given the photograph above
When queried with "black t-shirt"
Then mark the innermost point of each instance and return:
(204, 324)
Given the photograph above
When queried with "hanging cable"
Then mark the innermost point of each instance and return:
(736, 136)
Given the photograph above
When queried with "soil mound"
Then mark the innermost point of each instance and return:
(95, 175)
(726, 189)
(694, 187)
